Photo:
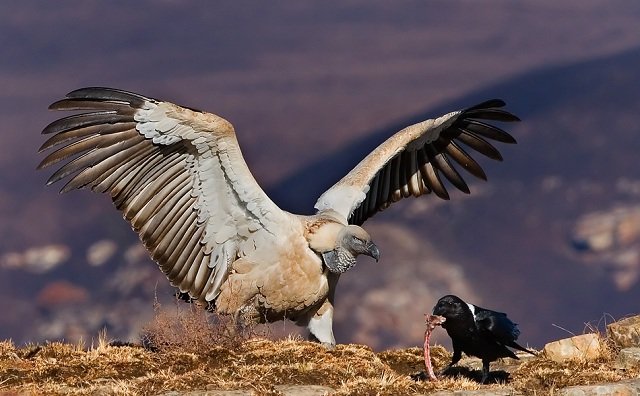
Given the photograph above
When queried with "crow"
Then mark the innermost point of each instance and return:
(478, 332)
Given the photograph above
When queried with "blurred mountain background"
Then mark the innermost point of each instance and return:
(553, 238)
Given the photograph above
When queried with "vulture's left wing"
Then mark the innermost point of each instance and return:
(177, 175)
(413, 161)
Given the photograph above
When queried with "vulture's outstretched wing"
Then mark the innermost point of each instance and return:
(413, 161)
(176, 174)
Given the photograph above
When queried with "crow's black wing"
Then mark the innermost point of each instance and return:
(499, 327)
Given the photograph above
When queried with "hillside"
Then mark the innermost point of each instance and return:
(311, 89)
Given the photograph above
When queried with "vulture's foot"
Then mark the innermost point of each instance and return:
(329, 346)
(243, 319)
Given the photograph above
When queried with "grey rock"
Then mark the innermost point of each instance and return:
(482, 392)
(607, 230)
(286, 390)
(238, 392)
(621, 388)
(610, 239)
(304, 390)
(628, 358)
(625, 333)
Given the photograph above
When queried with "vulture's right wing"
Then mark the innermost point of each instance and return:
(413, 161)
(176, 174)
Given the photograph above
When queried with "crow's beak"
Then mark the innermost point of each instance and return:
(372, 251)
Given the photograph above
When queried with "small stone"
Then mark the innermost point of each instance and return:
(210, 392)
(628, 358)
(304, 390)
(586, 346)
(621, 388)
(481, 392)
(625, 333)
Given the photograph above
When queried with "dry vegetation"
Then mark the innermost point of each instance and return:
(189, 352)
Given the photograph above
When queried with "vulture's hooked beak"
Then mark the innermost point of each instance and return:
(372, 251)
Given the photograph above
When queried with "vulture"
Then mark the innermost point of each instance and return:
(179, 178)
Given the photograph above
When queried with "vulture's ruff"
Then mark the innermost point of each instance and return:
(179, 178)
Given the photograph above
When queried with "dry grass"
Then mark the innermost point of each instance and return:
(193, 354)
(546, 375)
(191, 329)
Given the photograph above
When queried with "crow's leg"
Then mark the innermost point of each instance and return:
(485, 371)
(457, 355)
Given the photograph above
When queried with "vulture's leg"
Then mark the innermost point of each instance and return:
(321, 325)
(244, 318)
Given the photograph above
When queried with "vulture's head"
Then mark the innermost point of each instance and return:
(351, 241)
(357, 241)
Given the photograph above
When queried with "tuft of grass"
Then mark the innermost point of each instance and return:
(188, 327)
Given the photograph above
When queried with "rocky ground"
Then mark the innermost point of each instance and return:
(190, 355)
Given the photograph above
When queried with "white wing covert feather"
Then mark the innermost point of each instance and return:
(177, 175)
(413, 161)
